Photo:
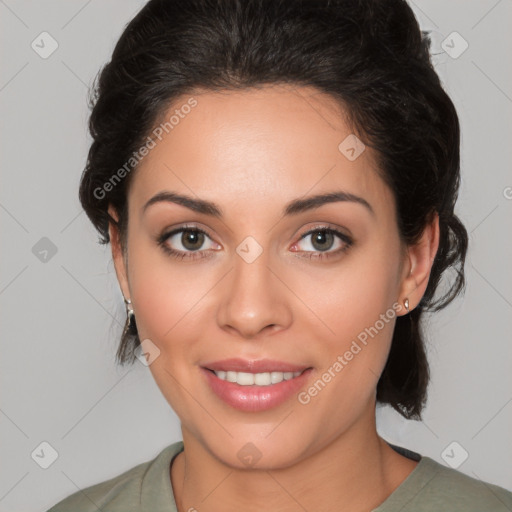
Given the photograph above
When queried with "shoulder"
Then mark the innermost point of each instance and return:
(128, 491)
(448, 485)
(434, 487)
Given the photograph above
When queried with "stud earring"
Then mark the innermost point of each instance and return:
(406, 304)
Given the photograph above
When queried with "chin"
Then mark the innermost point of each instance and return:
(259, 452)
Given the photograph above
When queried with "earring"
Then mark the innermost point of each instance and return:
(130, 315)
(406, 304)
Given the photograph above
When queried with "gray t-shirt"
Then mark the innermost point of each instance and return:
(430, 487)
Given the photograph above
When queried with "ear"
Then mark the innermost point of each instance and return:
(117, 254)
(421, 257)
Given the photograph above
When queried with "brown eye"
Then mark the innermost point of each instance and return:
(321, 240)
(186, 243)
(192, 240)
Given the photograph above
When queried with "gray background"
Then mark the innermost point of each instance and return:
(61, 318)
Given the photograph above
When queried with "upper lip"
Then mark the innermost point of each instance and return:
(253, 366)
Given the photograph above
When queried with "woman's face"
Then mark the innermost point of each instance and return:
(253, 287)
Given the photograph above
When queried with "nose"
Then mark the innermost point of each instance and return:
(254, 300)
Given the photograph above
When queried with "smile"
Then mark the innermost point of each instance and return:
(257, 379)
(249, 391)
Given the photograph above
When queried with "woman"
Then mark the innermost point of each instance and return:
(277, 180)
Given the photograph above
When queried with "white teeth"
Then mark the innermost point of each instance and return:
(259, 379)
(245, 379)
(276, 377)
(262, 379)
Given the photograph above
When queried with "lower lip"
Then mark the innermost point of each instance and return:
(255, 398)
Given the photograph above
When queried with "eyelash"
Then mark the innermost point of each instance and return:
(181, 255)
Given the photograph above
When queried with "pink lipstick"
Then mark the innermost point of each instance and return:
(254, 385)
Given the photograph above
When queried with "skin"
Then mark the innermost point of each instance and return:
(251, 152)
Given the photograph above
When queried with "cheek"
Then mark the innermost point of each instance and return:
(357, 306)
(352, 298)
(167, 302)
(164, 294)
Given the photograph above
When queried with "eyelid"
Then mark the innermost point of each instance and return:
(321, 226)
(326, 226)
(192, 226)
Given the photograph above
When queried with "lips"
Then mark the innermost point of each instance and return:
(255, 398)
(253, 366)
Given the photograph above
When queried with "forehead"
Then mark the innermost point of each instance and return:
(256, 147)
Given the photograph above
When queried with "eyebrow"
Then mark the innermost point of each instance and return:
(292, 208)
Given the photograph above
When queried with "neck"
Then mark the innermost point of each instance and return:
(356, 472)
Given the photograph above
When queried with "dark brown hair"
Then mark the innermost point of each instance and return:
(370, 55)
